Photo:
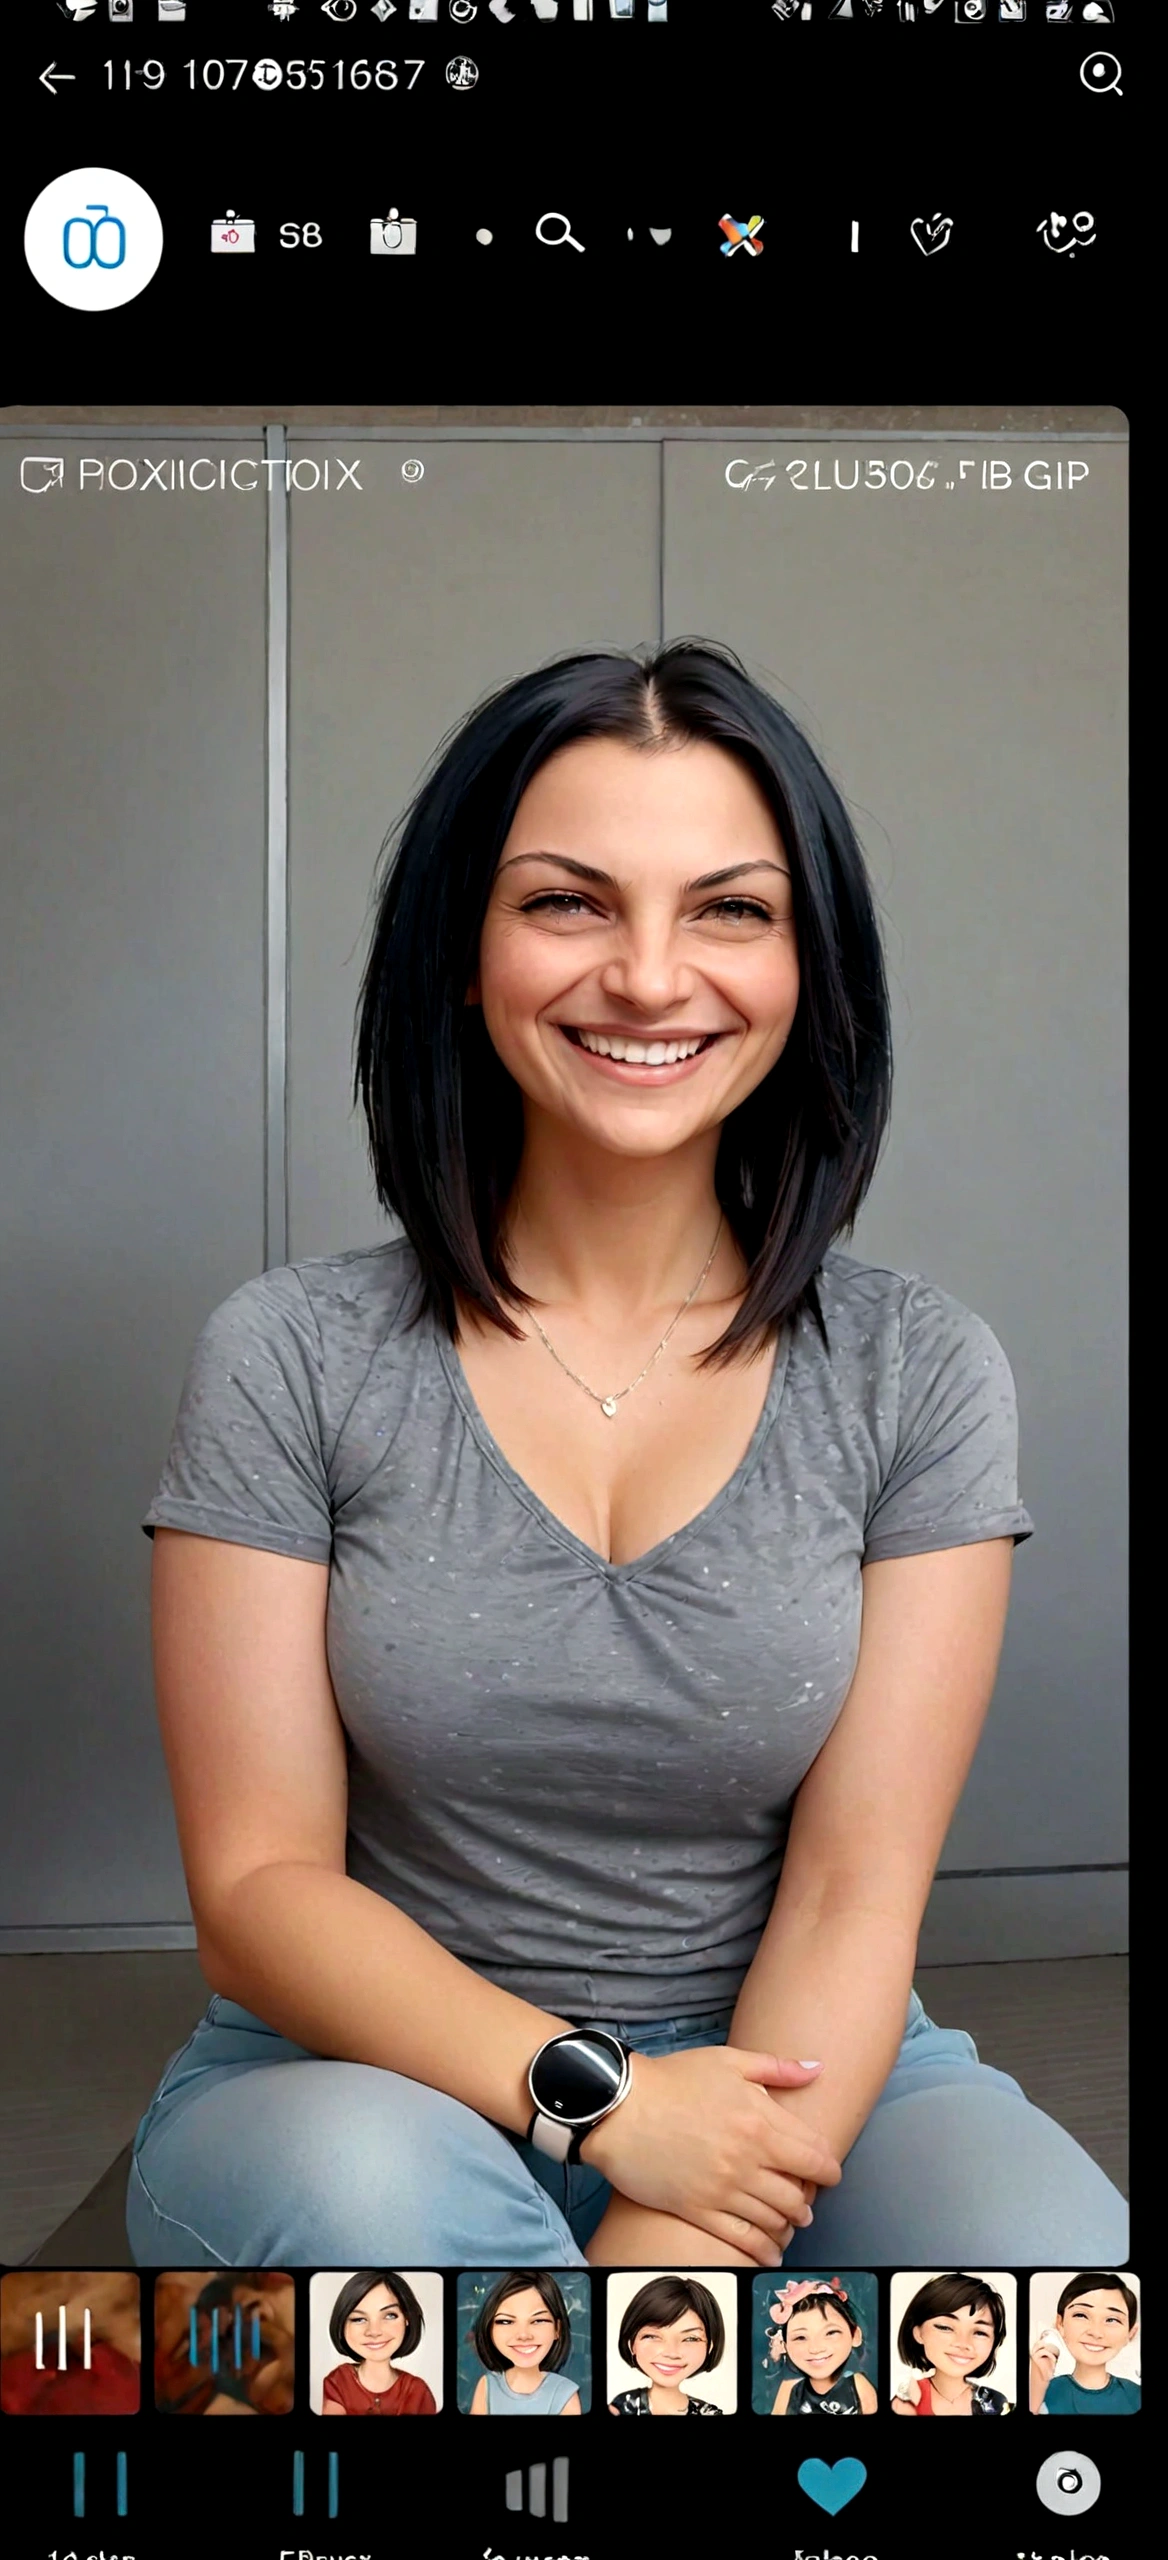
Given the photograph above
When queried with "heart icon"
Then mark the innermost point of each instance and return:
(831, 2485)
(933, 234)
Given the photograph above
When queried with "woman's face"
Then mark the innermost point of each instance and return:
(957, 2341)
(523, 2328)
(818, 2341)
(672, 2350)
(645, 953)
(377, 2324)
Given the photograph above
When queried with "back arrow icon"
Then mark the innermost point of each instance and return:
(52, 75)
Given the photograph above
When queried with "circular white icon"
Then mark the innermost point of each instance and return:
(93, 239)
(1099, 73)
(484, 238)
(463, 9)
(267, 74)
(1068, 2484)
(413, 469)
(461, 74)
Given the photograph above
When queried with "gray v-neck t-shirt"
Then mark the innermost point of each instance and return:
(578, 1776)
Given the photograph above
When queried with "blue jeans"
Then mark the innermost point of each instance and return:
(254, 2152)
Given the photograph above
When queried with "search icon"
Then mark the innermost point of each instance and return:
(1099, 73)
(556, 239)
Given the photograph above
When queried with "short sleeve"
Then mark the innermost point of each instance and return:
(246, 1458)
(954, 1473)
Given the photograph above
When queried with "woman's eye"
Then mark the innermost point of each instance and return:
(561, 901)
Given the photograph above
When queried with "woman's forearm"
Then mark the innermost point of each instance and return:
(338, 1969)
(633, 2235)
(834, 1987)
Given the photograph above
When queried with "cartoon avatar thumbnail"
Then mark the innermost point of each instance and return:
(1085, 2358)
(821, 2332)
(951, 2331)
(665, 2334)
(524, 2349)
(376, 2344)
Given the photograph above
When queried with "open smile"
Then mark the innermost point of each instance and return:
(631, 1061)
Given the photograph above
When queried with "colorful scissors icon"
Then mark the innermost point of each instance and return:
(741, 235)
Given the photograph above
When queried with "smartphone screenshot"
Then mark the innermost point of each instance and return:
(564, 1103)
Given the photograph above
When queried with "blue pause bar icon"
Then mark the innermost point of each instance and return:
(237, 2337)
(298, 2484)
(79, 2483)
(537, 2473)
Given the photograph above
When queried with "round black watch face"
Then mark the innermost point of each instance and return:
(576, 2078)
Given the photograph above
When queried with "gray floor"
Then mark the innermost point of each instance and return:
(85, 2037)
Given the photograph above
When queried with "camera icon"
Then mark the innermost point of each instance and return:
(394, 237)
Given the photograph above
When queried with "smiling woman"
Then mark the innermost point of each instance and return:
(579, 1612)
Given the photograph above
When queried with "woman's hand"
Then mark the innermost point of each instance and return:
(701, 2136)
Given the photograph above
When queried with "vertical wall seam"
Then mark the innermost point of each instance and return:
(276, 863)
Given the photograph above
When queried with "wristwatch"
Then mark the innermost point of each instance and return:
(575, 2079)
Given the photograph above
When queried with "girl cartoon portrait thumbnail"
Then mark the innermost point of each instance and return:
(376, 2323)
(818, 2329)
(951, 2335)
(671, 2330)
(523, 2336)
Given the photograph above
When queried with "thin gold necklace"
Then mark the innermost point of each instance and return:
(608, 1404)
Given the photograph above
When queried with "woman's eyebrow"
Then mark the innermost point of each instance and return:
(604, 879)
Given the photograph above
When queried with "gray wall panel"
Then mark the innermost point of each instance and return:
(408, 604)
(958, 659)
(130, 1123)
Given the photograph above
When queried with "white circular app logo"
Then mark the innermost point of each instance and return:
(1068, 2484)
(93, 239)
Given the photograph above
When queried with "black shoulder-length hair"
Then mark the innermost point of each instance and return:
(355, 2291)
(444, 1116)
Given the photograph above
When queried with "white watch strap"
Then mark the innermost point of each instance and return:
(552, 2138)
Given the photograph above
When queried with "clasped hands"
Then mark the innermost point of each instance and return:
(701, 2136)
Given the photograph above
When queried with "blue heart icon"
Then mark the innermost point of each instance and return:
(832, 2485)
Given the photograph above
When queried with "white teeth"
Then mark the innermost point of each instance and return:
(638, 1053)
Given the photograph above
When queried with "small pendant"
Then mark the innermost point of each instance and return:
(609, 1406)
